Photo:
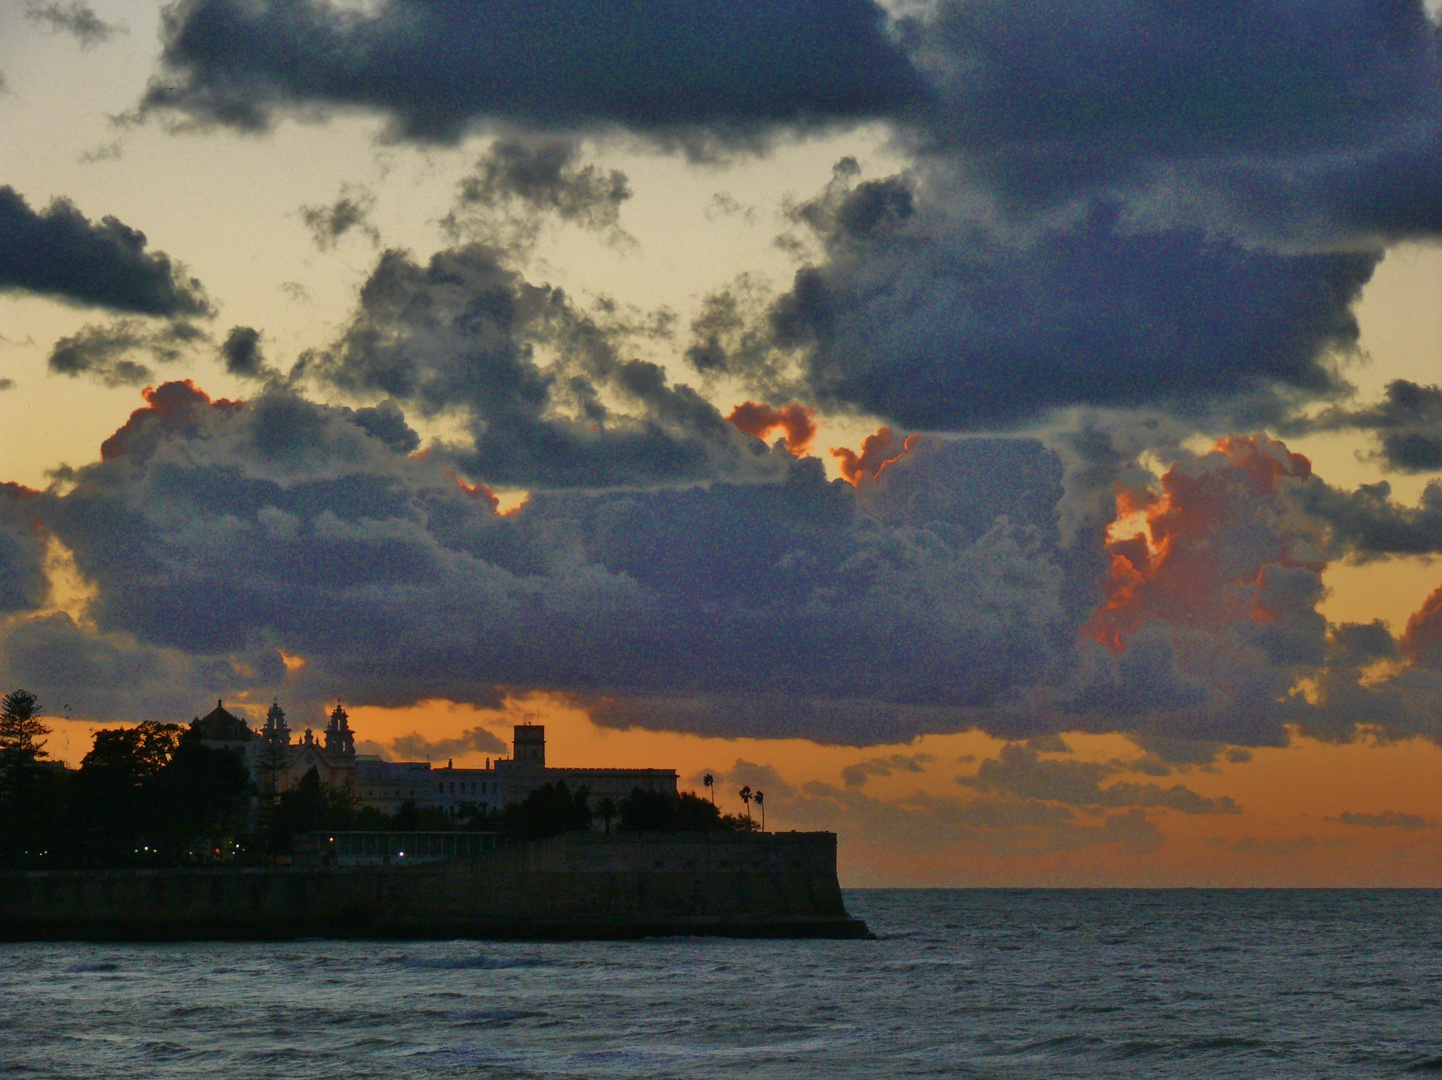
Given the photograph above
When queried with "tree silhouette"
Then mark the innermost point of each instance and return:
(24, 791)
(548, 811)
(746, 797)
(710, 782)
(20, 727)
(607, 809)
(760, 798)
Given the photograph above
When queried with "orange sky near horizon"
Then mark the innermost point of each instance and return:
(902, 830)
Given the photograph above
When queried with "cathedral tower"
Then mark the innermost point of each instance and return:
(338, 737)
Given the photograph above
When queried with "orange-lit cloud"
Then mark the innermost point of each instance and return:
(1422, 640)
(176, 402)
(1207, 539)
(292, 662)
(478, 490)
(760, 420)
(877, 452)
(483, 491)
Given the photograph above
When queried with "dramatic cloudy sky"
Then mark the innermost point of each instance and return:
(1007, 432)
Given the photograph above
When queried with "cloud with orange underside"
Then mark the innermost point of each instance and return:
(172, 402)
(795, 421)
(878, 451)
(1184, 564)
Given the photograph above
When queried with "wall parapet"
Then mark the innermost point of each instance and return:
(575, 886)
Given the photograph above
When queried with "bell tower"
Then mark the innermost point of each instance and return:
(276, 732)
(338, 737)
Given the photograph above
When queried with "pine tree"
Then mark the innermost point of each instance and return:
(20, 786)
(20, 728)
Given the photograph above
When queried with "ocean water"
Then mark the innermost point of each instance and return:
(1015, 984)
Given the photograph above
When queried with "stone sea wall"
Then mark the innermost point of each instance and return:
(577, 886)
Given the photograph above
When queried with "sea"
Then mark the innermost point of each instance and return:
(958, 983)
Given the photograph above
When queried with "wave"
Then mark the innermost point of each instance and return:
(84, 967)
(469, 963)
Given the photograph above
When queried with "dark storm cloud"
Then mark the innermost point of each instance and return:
(1138, 205)
(104, 677)
(951, 331)
(115, 354)
(1132, 205)
(439, 67)
(214, 529)
(61, 253)
(75, 18)
(23, 583)
(548, 396)
(1293, 116)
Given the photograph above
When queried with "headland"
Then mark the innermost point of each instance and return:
(574, 886)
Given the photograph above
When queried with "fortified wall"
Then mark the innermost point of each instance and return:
(575, 886)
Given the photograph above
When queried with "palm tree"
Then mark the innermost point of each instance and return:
(760, 798)
(746, 797)
(606, 809)
(710, 782)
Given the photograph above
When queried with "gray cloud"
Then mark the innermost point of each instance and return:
(941, 325)
(61, 253)
(1366, 524)
(1020, 772)
(1002, 826)
(242, 354)
(75, 18)
(311, 529)
(547, 393)
(940, 597)
(1388, 819)
(856, 775)
(115, 353)
(695, 74)
(112, 677)
(518, 185)
(351, 212)
(1407, 423)
(1120, 208)
(1282, 849)
(23, 582)
(475, 740)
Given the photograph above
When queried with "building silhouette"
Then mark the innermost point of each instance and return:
(276, 764)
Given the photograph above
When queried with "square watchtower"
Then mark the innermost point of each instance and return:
(529, 743)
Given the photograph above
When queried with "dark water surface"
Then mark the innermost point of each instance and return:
(961, 983)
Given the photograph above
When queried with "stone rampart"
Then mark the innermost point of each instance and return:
(574, 886)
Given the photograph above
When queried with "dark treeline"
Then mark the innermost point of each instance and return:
(155, 795)
(553, 809)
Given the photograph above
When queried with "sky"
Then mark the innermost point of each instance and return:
(1006, 432)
